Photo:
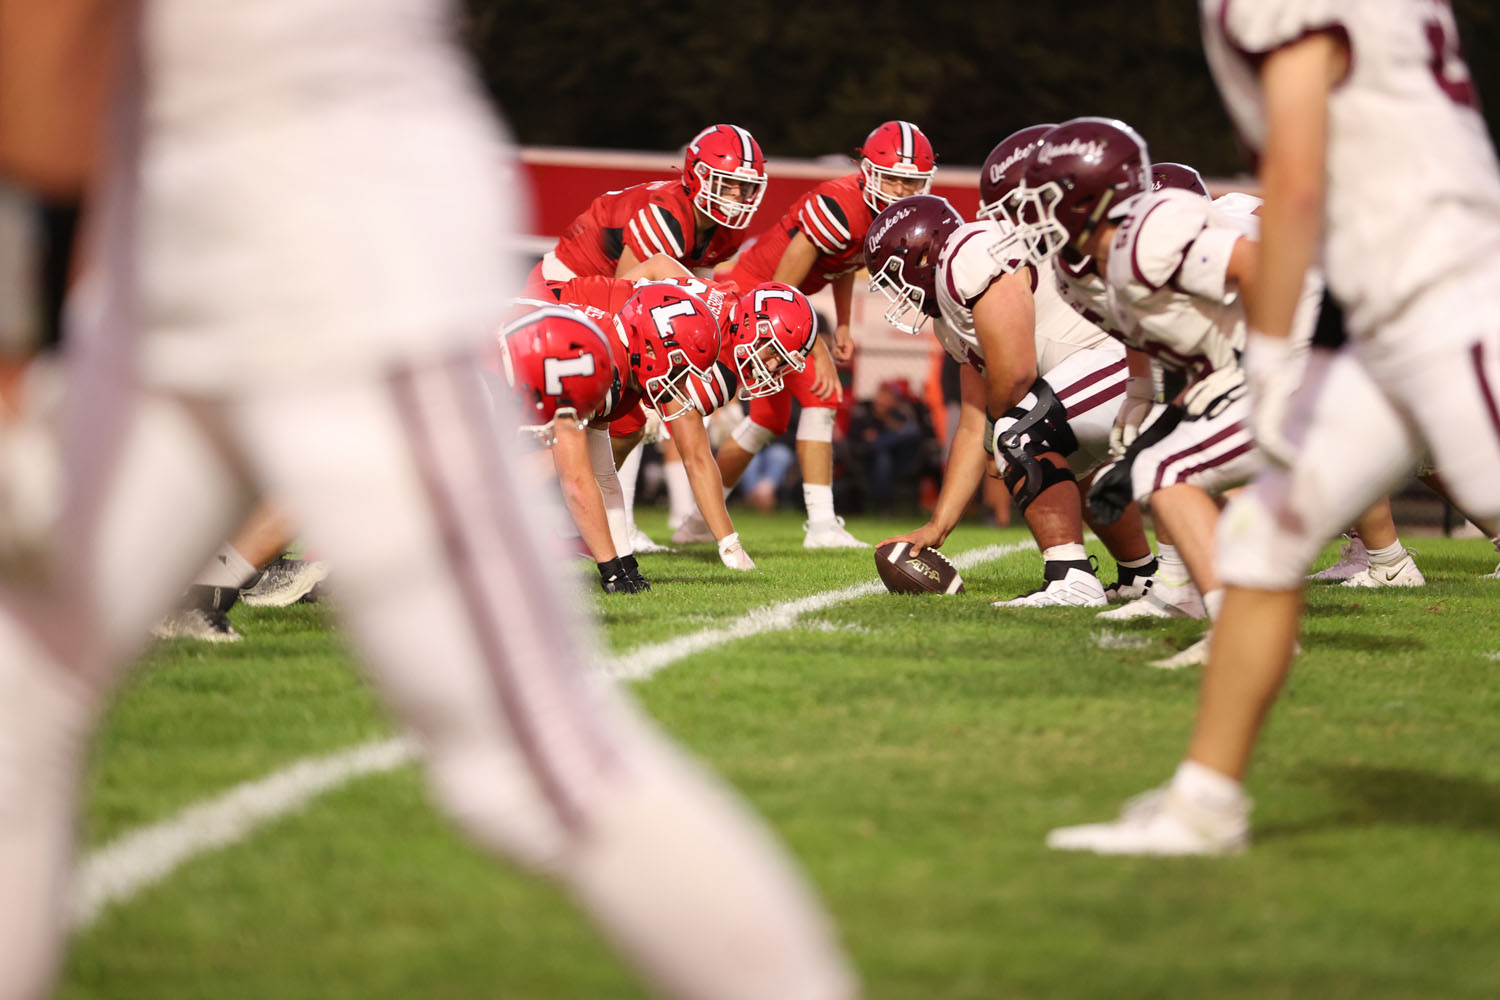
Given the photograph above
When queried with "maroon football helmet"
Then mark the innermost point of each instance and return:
(901, 252)
(558, 363)
(1177, 175)
(895, 151)
(1003, 168)
(778, 326)
(1081, 173)
(669, 335)
(718, 158)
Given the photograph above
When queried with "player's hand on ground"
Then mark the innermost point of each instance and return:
(614, 579)
(733, 554)
(925, 537)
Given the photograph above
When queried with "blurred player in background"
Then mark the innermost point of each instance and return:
(818, 243)
(301, 241)
(1374, 156)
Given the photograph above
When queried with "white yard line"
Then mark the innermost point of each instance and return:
(141, 858)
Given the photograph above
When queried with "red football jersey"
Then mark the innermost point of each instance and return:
(834, 216)
(600, 299)
(649, 219)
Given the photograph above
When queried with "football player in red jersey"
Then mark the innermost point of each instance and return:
(666, 344)
(558, 365)
(699, 219)
(818, 243)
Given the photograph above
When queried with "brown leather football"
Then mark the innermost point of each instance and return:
(927, 572)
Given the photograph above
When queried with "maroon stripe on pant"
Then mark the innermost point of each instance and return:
(1084, 406)
(562, 668)
(1485, 389)
(1092, 377)
(465, 568)
(1223, 459)
(1230, 431)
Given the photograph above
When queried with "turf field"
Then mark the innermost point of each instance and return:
(913, 752)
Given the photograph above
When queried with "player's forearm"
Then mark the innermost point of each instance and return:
(796, 261)
(843, 299)
(586, 506)
(967, 462)
(708, 490)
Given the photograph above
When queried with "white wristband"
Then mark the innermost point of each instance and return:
(729, 542)
(1265, 354)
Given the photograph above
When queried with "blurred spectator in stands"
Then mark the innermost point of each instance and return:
(886, 433)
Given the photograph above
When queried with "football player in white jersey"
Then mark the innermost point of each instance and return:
(303, 239)
(1172, 264)
(1371, 150)
(1047, 380)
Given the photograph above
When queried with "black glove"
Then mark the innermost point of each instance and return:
(614, 579)
(633, 573)
(1111, 493)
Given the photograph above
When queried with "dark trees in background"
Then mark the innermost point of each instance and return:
(810, 79)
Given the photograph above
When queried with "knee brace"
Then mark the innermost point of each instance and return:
(815, 424)
(1028, 478)
(751, 436)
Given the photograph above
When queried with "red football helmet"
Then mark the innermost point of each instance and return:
(778, 328)
(895, 152)
(722, 158)
(669, 335)
(1082, 173)
(901, 252)
(559, 364)
(1177, 175)
(1002, 170)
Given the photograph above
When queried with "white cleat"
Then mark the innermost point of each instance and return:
(1353, 558)
(641, 542)
(693, 529)
(1161, 600)
(1403, 574)
(1132, 591)
(1195, 655)
(203, 624)
(1077, 588)
(285, 581)
(830, 535)
(1162, 823)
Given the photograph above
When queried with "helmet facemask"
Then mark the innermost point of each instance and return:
(727, 211)
(756, 377)
(672, 385)
(905, 298)
(876, 176)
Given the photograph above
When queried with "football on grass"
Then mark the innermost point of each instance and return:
(927, 572)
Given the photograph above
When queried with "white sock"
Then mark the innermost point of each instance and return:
(1144, 560)
(1213, 601)
(819, 502)
(1206, 787)
(1069, 552)
(1495, 541)
(1388, 556)
(226, 569)
(679, 492)
(1169, 565)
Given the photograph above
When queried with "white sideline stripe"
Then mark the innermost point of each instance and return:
(141, 858)
(644, 661)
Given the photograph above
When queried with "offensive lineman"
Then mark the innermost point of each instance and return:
(1411, 244)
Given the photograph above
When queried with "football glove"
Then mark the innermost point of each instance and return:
(733, 554)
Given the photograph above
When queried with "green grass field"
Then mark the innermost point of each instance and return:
(912, 751)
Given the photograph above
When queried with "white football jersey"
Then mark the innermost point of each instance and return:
(977, 255)
(1413, 185)
(1167, 285)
